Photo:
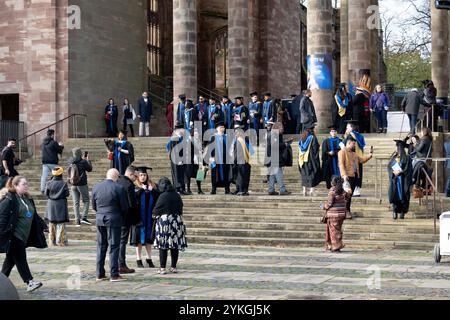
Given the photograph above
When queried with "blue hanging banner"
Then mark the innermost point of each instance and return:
(320, 71)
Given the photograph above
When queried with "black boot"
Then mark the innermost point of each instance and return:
(227, 190)
(199, 187)
(139, 264)
(150, 263)
(213, 191)
(402, 216)
(394, 215)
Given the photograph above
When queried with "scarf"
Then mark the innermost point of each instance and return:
(304, 147)
(117, 153)
(342, 105)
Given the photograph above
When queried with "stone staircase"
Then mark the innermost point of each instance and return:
(262, 220)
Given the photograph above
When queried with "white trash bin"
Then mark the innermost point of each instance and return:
(443, 248)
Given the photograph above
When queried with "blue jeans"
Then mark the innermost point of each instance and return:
(278, 176)
(381, 115)
(412, 123)
(46, 170)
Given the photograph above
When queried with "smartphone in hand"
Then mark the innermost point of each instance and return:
(371, 149)
(86, 154)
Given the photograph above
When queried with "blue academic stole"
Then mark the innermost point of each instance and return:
(211, 110)
(266, 108)
(117, 152)
(144, 215)
(219, 147)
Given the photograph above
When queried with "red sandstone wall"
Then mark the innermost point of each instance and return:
(32, 49)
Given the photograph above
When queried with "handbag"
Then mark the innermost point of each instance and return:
(110, 155)
(324, 218)
(201, 174)
(417, 192)
(107, 116)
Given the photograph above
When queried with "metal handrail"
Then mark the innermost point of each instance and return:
(434, 198)
(74, 128)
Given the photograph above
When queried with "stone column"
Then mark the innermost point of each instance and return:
(344, 40)
(319, 42)
(439, 50)
(184, 49)
(374, 37)
(359, 39)
(238, 42)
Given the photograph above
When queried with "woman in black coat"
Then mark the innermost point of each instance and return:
(170, 229)
(20, 227)
(111, 116)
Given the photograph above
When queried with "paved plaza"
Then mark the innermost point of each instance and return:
(210, 272)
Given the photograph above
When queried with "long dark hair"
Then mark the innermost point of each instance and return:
(427, 133)
(338, 183)
(164, 185)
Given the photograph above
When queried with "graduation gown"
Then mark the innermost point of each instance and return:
(111, 120)
(120, 160)
(340, 121)
(330, 163)
(144, 232)
(400, 187)
(213, 116)
(255, 114)
(188, 117)
(242, 153)
(221, 173)
(241, 116)
(177, 169)
(227, 110)
(191, 169)
(310, 170)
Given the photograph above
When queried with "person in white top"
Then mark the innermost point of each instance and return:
(129, 115)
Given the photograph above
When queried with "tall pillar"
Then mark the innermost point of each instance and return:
(439, 50)
(359, 49)
(374, 37)
(319, 50)
(344, 40)
(184, 49)
(238, 42)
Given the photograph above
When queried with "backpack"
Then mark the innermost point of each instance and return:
(73, 174)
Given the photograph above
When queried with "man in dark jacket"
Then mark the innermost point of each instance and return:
(9, 161)
(145, 114)
(411, 106)
(50, 150)
(110, 203)
(275, 162)
(131, 218)
(296, 112)
(307, 110)
(81, 189)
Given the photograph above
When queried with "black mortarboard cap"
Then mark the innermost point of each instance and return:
(254, 93)
(268, 94)
(182, 96)
(143, 169)
(239, 98)
(225, 97)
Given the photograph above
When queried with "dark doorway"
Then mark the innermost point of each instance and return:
(9, 107)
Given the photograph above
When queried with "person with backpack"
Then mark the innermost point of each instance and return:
(77, 178)
(50, 150)
(57, 213)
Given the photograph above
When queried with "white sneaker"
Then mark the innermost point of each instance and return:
(312, 192)
(357, 192)
(33, 285)
(304, 191)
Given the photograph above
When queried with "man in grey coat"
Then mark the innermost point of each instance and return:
(110, 203)
(307, 110)
(411, 106)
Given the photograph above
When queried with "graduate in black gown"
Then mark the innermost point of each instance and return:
(143, 234)
(400, 180)
(177, 161)
(330, 161)
(122, 152)
(189, 117)
(196, 162)
(309, 160)
(221, 171)
(341, 108)
(242, 151)
(111, 116)
(240, 114)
